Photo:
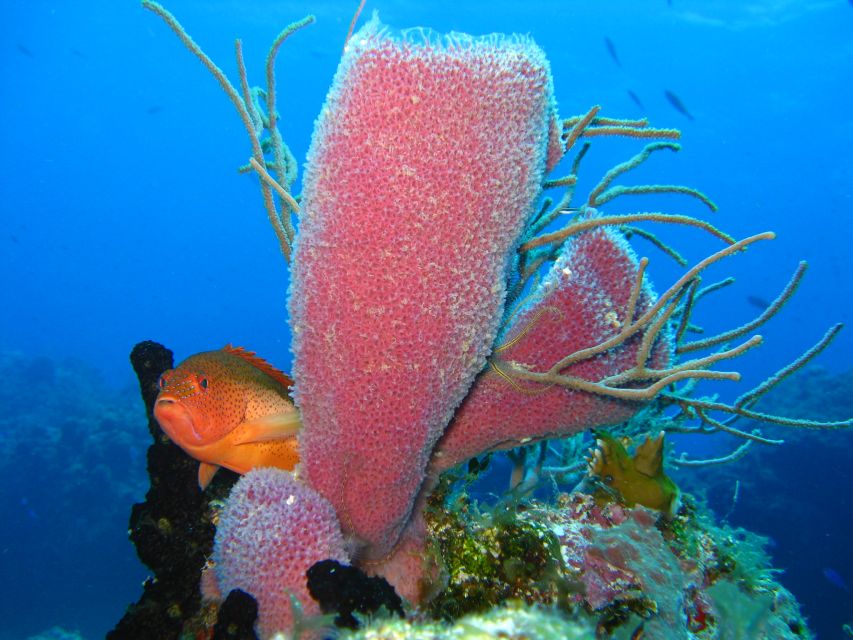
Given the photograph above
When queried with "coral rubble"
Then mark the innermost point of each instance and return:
(512, 621)
(621, 568)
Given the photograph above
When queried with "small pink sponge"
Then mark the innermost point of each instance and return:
(424, 167)
(581, 303)
(273, 528)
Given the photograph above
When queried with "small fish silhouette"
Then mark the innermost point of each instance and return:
(677, 104)
(757, 301)
(611, 49)
(24, 51)
(31, 514)
(636, 98)
(153, 109)
(835, 578)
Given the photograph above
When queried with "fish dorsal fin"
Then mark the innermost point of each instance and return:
(648, 458)
(259, 363)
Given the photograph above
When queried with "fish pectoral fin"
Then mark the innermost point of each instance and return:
(206, 471)
(276, 426)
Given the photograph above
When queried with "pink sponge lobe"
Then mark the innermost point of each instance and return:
(424, 167)
(273, 528)
(581, 303)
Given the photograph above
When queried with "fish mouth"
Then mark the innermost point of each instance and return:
(176, 421)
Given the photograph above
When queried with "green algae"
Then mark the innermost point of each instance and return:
(492, 557)
(633, 479)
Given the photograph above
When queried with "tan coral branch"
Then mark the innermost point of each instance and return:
(619, 220)
(768, 313)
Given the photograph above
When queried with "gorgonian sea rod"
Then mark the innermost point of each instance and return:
(424, 167)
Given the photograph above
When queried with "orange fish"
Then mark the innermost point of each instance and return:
(229, 408)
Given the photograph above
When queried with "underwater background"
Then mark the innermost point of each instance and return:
(124, 219)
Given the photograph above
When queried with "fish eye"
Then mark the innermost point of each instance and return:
(608, 479)
(202, 382)
(161, 382)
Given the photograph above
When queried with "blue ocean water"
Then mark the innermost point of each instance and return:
(124, 219)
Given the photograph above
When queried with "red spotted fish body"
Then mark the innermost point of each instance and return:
(229, 408)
